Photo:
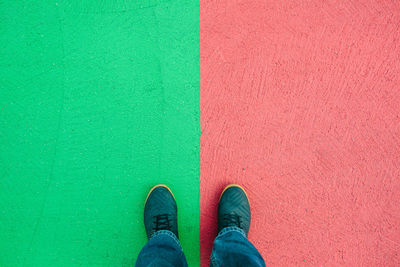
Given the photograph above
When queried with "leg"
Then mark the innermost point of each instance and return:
(161, 223)
(231, 247)
(163, 249)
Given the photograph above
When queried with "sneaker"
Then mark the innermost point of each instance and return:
(234, 209)
(160, 211)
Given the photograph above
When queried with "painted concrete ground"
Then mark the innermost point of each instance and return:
(99, 101)
(299, 100)
(300, 103)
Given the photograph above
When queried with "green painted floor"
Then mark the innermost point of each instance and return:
(99, 101)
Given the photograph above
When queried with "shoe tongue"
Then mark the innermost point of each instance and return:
(162, 222)
(232, 219)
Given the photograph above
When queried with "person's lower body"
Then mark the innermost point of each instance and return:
(231, 246)
(163, 249)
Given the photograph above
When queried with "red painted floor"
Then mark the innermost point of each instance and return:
(300, 104)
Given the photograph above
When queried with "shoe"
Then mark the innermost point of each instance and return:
(234, 209)
(160, 211)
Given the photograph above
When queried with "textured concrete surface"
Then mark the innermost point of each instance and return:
(300, 103)
(99, 101)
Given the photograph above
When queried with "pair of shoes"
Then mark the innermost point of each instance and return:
(160, 211)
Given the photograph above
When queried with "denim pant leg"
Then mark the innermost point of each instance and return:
(163, 249)
(232, 248)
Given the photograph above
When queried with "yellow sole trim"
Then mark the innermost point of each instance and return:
(154, 187)
(233, 185)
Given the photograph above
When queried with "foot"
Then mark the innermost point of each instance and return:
(160, 211)
(234, 209)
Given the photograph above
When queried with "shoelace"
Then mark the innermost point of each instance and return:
(232, 220)
(162, 222)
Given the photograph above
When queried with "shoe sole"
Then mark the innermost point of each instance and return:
(154, 187)
(233, 185)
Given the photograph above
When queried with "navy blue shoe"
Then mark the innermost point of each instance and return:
(234, 209)
(160, 211)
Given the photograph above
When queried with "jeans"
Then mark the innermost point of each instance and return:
(231, 248)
